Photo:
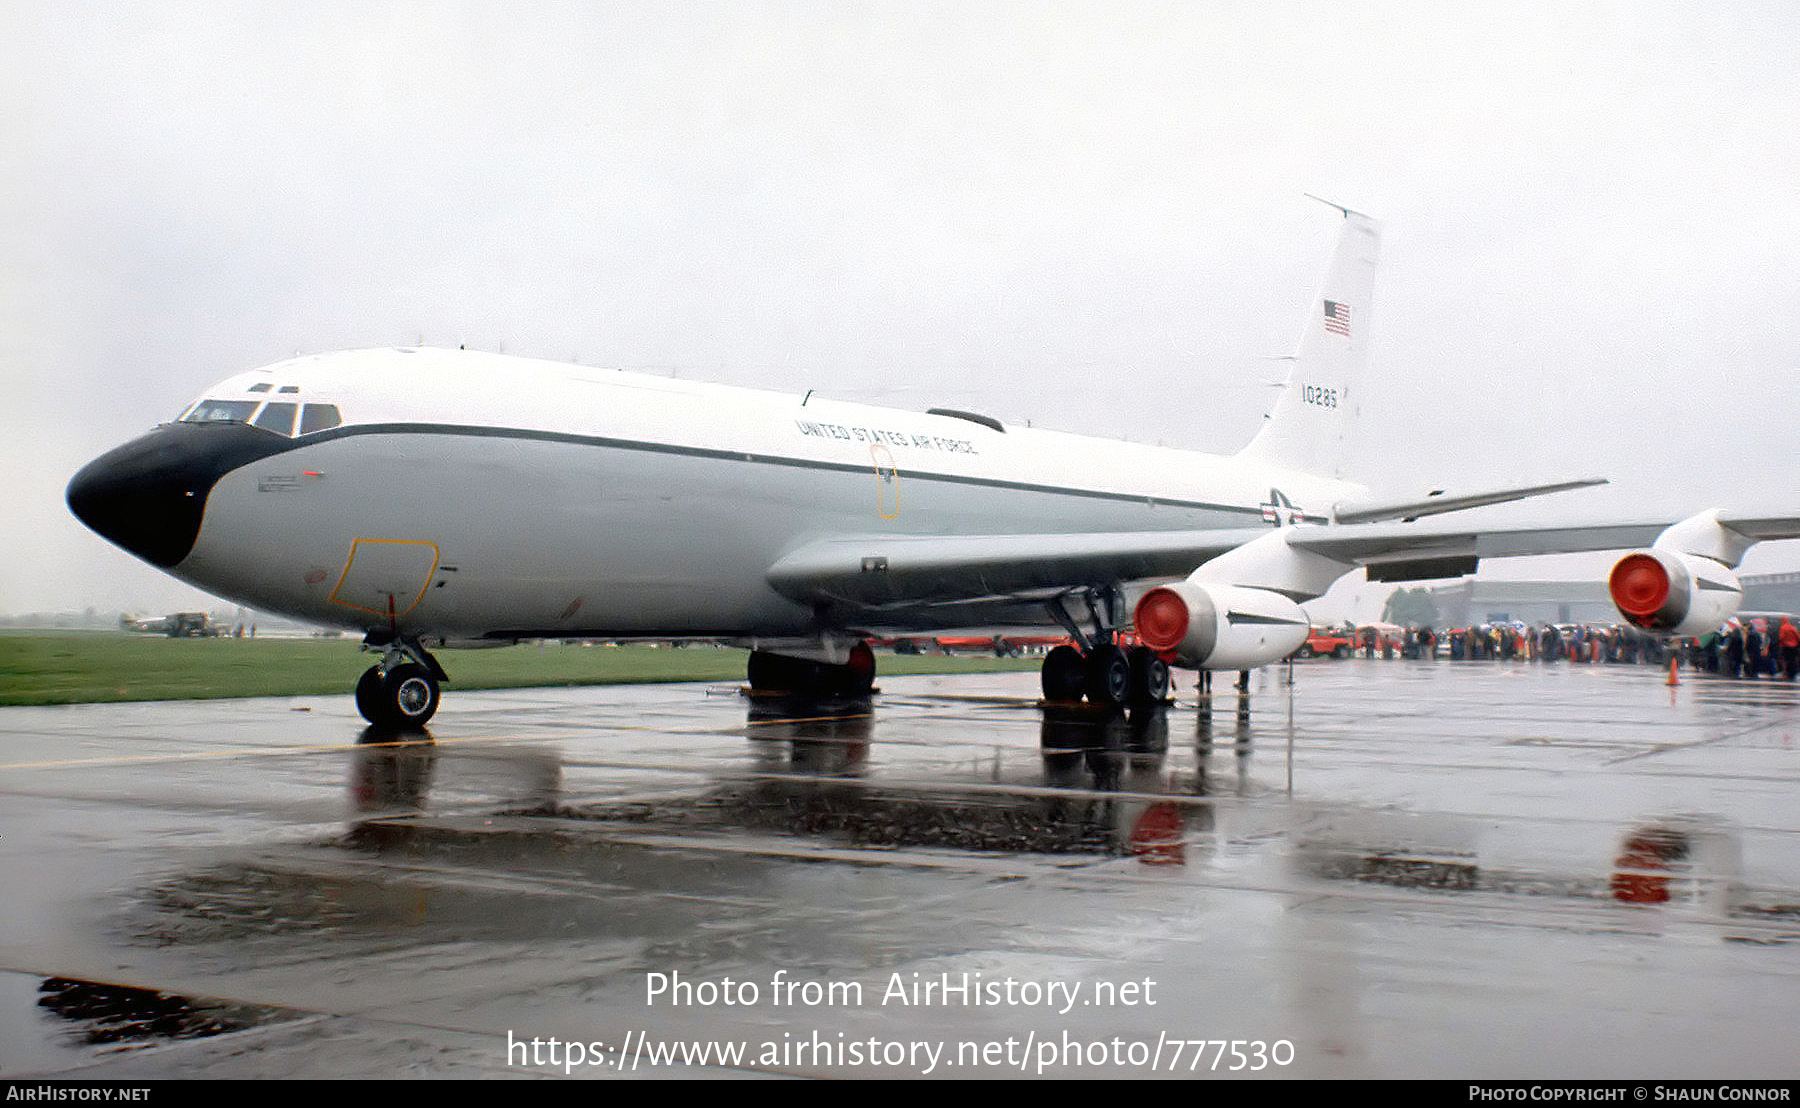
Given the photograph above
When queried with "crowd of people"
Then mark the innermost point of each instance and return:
(1754, 646)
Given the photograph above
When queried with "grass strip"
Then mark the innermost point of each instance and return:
(98, 667)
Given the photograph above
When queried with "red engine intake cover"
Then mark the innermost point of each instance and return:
(1161, 619)
(1639, 585)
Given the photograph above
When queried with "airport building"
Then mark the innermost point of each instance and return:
(1772, 592)
(1478, 601)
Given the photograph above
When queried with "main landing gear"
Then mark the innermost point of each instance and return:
(1097, 668)
(784, 674)
(400, 693)
(1107, 675)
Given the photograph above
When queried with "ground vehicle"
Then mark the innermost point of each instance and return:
(1336, 644)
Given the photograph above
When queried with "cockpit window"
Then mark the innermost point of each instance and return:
(221, 411)
(278, 418)
(276, 415)
(318, 417)
(263, 387)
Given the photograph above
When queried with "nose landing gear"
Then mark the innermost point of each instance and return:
(401, 693)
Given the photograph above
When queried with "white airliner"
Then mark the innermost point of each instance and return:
(436, 497)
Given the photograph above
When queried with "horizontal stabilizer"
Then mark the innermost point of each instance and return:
(1437, 503)
(1761, 528)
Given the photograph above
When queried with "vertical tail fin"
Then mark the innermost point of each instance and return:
(1309, 429)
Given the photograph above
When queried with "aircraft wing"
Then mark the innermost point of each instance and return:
(1388, 549)
(881, 570)
(1439, 501)
(1410, 552)
(888, 572)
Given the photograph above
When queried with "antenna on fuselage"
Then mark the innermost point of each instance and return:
(1348, 212)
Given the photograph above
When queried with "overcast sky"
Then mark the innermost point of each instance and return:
(1088, 215)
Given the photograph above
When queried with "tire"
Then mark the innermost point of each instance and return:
(1108, 676)
(1304, 650)
(803, 677)
(1064, 675)
(370, 691)
(778, 673)
(1340, 652)
(1149, 677)
(402, 700)
(856, 677)
(412, 692)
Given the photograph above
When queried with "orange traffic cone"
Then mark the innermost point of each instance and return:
(1674, 679)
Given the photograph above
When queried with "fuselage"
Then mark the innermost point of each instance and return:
(470, 495)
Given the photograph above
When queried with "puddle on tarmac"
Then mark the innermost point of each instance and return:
(101, 1014)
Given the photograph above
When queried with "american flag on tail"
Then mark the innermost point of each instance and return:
(1337, 318)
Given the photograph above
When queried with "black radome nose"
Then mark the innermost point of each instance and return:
(149, 495)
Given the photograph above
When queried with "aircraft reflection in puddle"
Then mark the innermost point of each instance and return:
(482, 841)
(398, 772)
(1101, 775)
(822, 738)
(391, 774)
(395, 780)
(1104, 789)
(816, 781)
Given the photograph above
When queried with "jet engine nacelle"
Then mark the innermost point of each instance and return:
(1673, 593)
(1219, 626)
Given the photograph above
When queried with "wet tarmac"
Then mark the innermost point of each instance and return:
(1386, 869)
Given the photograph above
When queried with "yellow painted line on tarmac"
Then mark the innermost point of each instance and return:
(807, 719)
(251, 752)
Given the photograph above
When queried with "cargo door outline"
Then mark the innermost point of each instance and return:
(379, 576)
(887, 482)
